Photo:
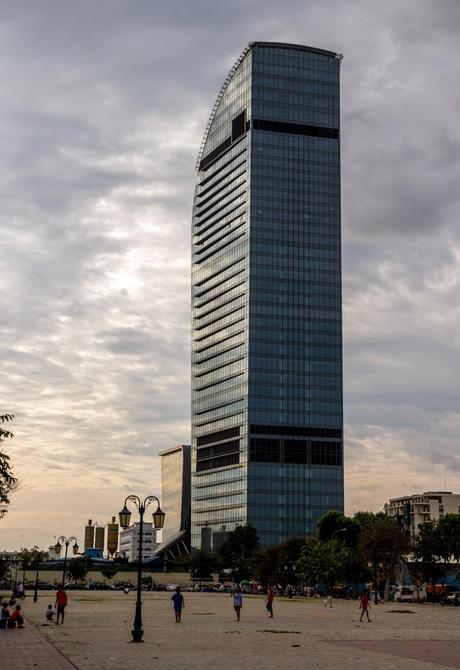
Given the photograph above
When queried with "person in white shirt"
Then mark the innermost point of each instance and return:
(50, 613)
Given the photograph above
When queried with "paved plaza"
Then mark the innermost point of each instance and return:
(303, 634)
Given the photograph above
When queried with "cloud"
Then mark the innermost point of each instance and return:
(101, 123)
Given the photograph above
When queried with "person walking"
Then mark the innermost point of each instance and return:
(178, 603)
(237, 603)
(269, 601)
(364, 605)
(61, 604)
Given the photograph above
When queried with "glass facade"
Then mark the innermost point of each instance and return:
(267, 418)
(175, 490)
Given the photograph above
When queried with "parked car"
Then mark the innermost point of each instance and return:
(46, 586)
(75, 586)
(121, 585)
(404, 594)
(100, 586)
(453, 598)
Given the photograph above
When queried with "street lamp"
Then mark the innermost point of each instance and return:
(340, 530)
(158, 521)
(58, 548)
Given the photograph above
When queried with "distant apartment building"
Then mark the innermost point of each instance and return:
(129, 542)
(175, 490)
(411, 512)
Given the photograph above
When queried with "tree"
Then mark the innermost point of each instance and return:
(324, 562)
(109, 570)
(78, 568)
(8, 483)
(335, 525)
(447, 536)
(237, 552)
(383, 543)
(202, 564)
(276, 565)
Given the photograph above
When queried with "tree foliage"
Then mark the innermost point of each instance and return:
(31, 558)
(237, 552)
(109, 570)
(8, 482)
(277, 565)
(324, 562)
(78, 568)
(202, 564)
(382, 543)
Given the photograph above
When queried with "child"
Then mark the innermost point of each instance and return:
(364, 605)
(237, 603)
(178, 602)
(16, 618)
(50, 612)
(269, 600)
(4, 615)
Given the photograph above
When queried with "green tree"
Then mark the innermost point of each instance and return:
(335, 525)
(237, 552)
(78, 568)
(324, 562)
(276, 565)
(8, 483)
(5, 568)
(382, 543)
(109, 570)
(447, 534)
(203, 564)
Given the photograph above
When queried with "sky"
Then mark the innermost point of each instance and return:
(102, 111)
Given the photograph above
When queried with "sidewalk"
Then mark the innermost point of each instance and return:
(28, 648)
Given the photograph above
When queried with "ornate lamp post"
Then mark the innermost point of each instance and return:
(158, 522)
(58, 547)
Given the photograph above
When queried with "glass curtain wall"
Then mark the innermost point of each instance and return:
(267, 334)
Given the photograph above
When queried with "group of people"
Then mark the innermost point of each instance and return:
(179, 602)
(13, 619)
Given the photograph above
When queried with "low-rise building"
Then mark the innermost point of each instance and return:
(413, 511)
(129, 542)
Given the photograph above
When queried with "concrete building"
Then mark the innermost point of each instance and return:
(413, 511)
(267, 418)
(129, 542)
(175, 490)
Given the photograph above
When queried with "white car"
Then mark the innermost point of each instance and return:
(404, 594)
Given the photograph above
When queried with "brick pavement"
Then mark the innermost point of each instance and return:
(303, 634)
(27, 648)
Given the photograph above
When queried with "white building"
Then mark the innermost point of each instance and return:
(413, 511)
(129, 542)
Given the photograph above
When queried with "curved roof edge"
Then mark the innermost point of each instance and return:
(283, 45)
(298, 47)
(217, 101)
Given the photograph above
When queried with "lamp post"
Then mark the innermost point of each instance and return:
(340, 530)
(158, 521)
(58, 547)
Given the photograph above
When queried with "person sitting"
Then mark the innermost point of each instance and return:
(50, 612)
(4, 615)
(16, 618)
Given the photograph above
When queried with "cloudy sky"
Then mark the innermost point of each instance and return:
(103, 106)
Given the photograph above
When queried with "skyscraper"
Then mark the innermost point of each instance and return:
(267, 416)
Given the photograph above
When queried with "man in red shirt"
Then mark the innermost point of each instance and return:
(61, 603)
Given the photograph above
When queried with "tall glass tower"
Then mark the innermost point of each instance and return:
(267, 416)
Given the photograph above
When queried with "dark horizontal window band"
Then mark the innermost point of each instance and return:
(218, 462)
(295, 128)
(295, 452)
(296, 430)
(216, 437)
(221, 449)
